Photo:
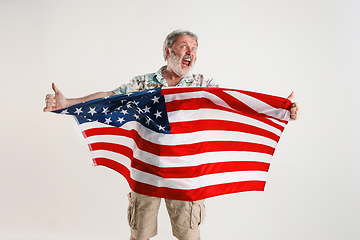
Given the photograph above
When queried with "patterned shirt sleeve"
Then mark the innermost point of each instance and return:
(135, 84)
(210, 83)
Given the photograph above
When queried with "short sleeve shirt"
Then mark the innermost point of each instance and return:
(156, 80)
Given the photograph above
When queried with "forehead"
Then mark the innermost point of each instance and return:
(185, 39)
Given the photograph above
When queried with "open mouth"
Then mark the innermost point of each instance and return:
(186, 61)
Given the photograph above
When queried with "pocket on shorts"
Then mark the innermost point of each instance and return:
(131, 211)
(198, 214)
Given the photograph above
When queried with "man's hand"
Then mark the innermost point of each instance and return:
(295, 109)
(58, 101)
(55, 101)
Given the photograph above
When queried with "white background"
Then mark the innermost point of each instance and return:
(50, 191)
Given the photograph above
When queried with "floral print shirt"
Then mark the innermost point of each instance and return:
(156, 80)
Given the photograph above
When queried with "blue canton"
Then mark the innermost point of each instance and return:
(146, 107)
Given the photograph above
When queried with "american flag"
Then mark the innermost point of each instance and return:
(187, 143)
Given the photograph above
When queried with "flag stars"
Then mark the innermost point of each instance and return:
(108, 120)
(105, 110)
(92, 111)
(121, 120)
(136, 103)
(161, 128)
(155, 99)
(64, 111)
(146, 109)
(139, 110)
(124, 111)
(136, 116)
(78, 111)
(157, 114)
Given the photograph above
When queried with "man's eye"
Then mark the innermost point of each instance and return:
(183, 46)
(194, 49)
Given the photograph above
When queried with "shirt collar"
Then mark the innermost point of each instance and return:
(163, 81)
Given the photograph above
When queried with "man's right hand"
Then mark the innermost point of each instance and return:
(55, 101)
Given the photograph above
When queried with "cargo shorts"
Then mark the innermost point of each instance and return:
(185, 216)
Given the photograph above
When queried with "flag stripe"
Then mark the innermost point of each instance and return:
(185, 161)
(186, 171)
(186, 195)
(274, 101)
(220, 125)
(214, 114)
(137, 131)
(196, 104)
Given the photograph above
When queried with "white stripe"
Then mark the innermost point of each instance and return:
(198, 182)
(260, 106)
(195, 137)
(112, 156)
(214, 114)
(90, 125)
(199, 94)
(182, 161)
(277, 122)
(189, 161)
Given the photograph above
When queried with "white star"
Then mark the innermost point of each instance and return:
(120, 120)
(135, 102)
(157, 114)
(148, 121)
(139, 110)
(146, 109)
(124, 111)
(155, 99)
(105, 110)
(129, 93)
(128, 105)
(92, 111)
(108, 120)
(161, 128)
(78, 111)
(136, 116)
(64, 112)
(151, 91)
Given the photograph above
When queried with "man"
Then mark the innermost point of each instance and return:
(179, 51)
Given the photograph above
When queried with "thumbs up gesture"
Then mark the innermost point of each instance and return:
(55, 101)
(295, 109)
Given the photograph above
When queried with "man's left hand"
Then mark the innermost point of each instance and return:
(295, 109)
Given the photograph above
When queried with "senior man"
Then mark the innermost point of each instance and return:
(179, 51)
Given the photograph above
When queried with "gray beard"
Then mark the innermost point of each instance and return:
(175, 65)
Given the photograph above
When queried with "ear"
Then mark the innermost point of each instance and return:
(167, 51)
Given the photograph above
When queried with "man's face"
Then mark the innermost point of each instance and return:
(183, 55)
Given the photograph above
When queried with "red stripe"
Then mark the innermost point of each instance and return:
(239, 108)
(197, 171)
(176, 150)
(188, 149)
(274, 101)
(182, 172)
(218, 125)
(185, 195)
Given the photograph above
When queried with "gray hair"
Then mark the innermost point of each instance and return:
(173, 36)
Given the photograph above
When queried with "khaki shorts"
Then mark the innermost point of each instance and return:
(185, 216)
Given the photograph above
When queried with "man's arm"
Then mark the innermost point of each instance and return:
(58, 101)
